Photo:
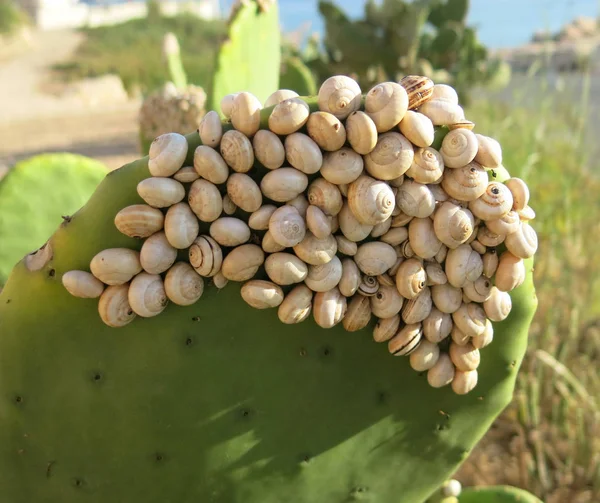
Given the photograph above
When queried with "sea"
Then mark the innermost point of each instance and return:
(500, 23)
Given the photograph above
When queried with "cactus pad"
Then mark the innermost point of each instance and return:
(497, 494)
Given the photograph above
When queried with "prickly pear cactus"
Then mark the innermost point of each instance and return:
(219, 401)
(297, 76)
(497, 494)
(34, 196)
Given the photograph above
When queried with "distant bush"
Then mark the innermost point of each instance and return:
(11, 17)
(133, 50)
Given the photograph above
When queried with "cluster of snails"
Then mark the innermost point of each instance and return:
(344, 213)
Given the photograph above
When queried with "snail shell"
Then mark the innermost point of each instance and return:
(401, 219)
(259, 220)
(442, 112)
(465, 124)
(317, 222)
(387, 302)
(339, 95)
(82, 284)
(464, 382)
(147, 296)
(206, 256)
(287, 226)
(283, 184)
(269, 245)
(205, 200)
(358, 314)
(245, 113)
(350, 279)
(453, 224)
(470, 319)
(229, 231)
(488, 238)
(417, 128)
(324, 277)
(438, 192)
(478, 290)
(227, 104)
(351, 228)
(526, 214)
(315, 251)
(507, 224)
(160, 192)
(296, 305)
(465, 357)
(459, 148)
(435, 274)
(498, 305)
(183, 285)
(345, 246)
(243, 262)
(444, 92)
(395, 236)
(116, 266)
(510, 273)
(326, 130)
(417, 309)
(371, 201)
(342, 167)
(437, 326)
(157, 255)
(279, 96)
(210, 129)
(386, 280)
(288, 116)
(300, 203)
(326, 196)
(361, 132)
(386, 104)
(418, 88)
(411, 278)
(369, 286)
(519, 191)
(478, 247)
(167, 154)
(490, 263)
(386, 329)
(442, 373)
(405, 250)
(114, 308)
(261, 294)
(494, 203)
(406, 340)
(375, 258)
(181, 226)
(268, 149)
(237, 151)
(522, 243)
(391, 157)
(329, 308)
(229, 207)
(446, 297)
(486, 338)
(186, 174)
(303, 153)
(489, 152)
(422, 238)
(139, 220)
(285, 268)
(381, 228)
(415, 199)
(427, 166)
(458, 337)
(425, 356)
(466, 183)
(209, 164)
(463, 264)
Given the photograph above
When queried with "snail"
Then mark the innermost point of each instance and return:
(446, 297)
(351, 228)
(520, 193)
(167, 154)
(387, 302)
(478, 290)
(288, 116)
(183, 285)
(411, 278)
(245, 113)
(358, 314)
(494, 203)
(507, 224)
(243, 262)
(269, 245)
(157, 255)
(442, 373)
(498, 305)
(324, 277)
(464, 382)
(415, 199)
(375, 258)
(417, 128)
(490, 262)
(459, 148)
(268, 149)
(510, 272)
(361, 132)
(205, 200)
(285, 268)
(419, 90)
(210, 129)
(345, 246)
(392, 157)
(229, 207)
(181, 226)
(209, 164)
(283, 184)
(261, 294)
(470, 319)
(296, 305)
(160, 192)
(350, 278)
(406, 340)
(419, 308)
(453, 225)
(114, 308)
(315, 251)
(317, 222)
(187, 174)
(386, 104)
(427, 166)
(206, 256)
(116, 266)
(524, 242)
(422, 238)
(442, 112)
(465, 358)
(329, 308)
(489, 152)
(466, 183)
(326, 130)
(371, 201)
(82, 284)
(229, 231)
(237, 152)
(287, 226)
(279, 96)
(437, 326)
(259, 220)
(227, 104)
(386, 328)
(147, 296)
(342, 167)
(368, 286)
(381, 228)
(303, 153)
(339, 95)
(395, 235)
(139, 220)
(484, 339)
(425, 356)
(435, 274)
(326, 196)
(300, 203)
(463, 264)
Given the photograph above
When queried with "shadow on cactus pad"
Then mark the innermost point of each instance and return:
(34, 196)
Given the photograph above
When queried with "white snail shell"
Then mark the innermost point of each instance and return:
(167, 154)
(418, 129)
(317, 222)
(510, 273)
(181, 226)
(350, 279)
(358, 314)
(114, 308)
(210, 129)
(386, 104)
(351, 228)
(288, 116)
(326, 130)
(82, 284)
(427, 166)
(425, 356)
(147, 296)
(340, 96)
(466, 183)
(415, 199)
(326, 196)
(489, 152)
(139, 220)
(465, 358)
(387, 302)
(229, 231)
(520, 193)
(375, 258)
(296, 305)
(157, 254)
(464, 382)
(245, 113)
(209, 164)
(324, 277)
(285, 268)
(283, 184)
(261, 294)
(183, 285)
(268, 149)
(498, 305)
(237, 151)
(437, 326)
(361, 132)
(386, 329)
(463, 264)
(287, 226)
(342, 166)
(392, 156)
(442, 373)
(205, 200)
(187, 174)
(459, 148)
(243, 262)
(422, 238)
(329, 308)
(116, 266)
(524, 242)
(446, 298)
(259, 220)
(417, 309)
(478, 290)
(411, 278)
(494, 203)
(303, 153)
(453, 224)
(316, 251)
(160, 192)
(279, 96)
(470, 319)
(371, 201)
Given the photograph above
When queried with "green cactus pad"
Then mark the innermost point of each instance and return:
(219, 402)
(497, 494)
(295, 75)
(249, 59)
(449, 10)
(35, 195)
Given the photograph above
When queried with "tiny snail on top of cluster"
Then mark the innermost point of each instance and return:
(347, 211)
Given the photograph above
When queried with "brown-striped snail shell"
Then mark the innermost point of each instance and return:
(317, 222)
(466, 183)
(442, 373)
(237, 151)
(417, 309)
(279, 96)
(453, 224)
(157, 254)
(391, 157)
(82, 284)
(489, 152)
(147, 295)
(464, 382)
(187, 174)
(427, 166)
(425, 356)
(470, 319)
(243, 262)
(465, 357)
(494, 203)
(415, 199)
(315, 251)
(505, 225)
(229, 231)
(459, 148)
(406, 340)
(386, 104)
(261, 294)
(288, 116)
(210, 129)
(209, 164)
(245, 113)
(386, 328)
(524, 242)
(296, 305)
(183, 285)
(411, 278)
(326, 130)
(285, 268)
(160, 192)
(283, 184)
(206, 256)
(329, 308)
(259, 220)
(167, 154)
(446, 298)
(268, 149)
(437, 326)
(422, 238)
(418, 88)
(326, 196)
(361, 132)
(116, 266)
(387, 302)
(342, 166)
(417, 128)
(339, 95)
(303, 153)
(324, 277)
(114, 308)
(205, 200)
(139, 220)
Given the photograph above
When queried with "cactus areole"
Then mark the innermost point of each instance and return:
(234, 359)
